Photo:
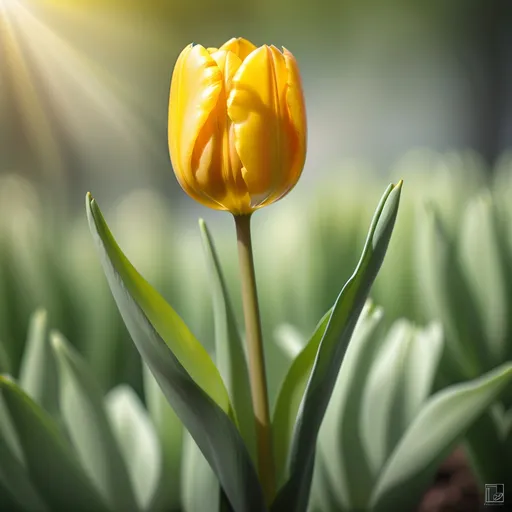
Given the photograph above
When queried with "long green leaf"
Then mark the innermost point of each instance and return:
(486, 444)
(83, 412)
(449, 299)
(182, 368)
(480, 259)
(436, 430)
(38, 372)
(52, 465)
(137, 440)
(229, 353)
(165, 321)
(398, 383)
(294, 495)
(15, 479)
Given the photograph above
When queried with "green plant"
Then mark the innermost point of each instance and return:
(386, 432)
(66, 446)
(196, 390)
(466, 273)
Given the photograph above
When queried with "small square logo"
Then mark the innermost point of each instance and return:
(494, 494)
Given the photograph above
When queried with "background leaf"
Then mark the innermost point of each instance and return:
(169, 431)
(200, 486)
(398, 383)
(52, 466)
(138, 442)
(38, 371)
(432, 436)
(83, 412)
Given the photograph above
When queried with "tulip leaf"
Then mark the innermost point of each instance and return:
(169, 431)
(200, 488)
(52, 465)
(5, 360)
(397, 385)
(290, 397)
(137, 440)
(85, 418)
(38, 372)
(124, 278)
(450, 300)
(431, 437)
(480, 259)
(487, 444)
(347, 308)
(289, 339)
(16, 481)
(340, 431)
(229, 352)
(182, 368)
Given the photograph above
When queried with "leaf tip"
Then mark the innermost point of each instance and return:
(40, 315)
(57, 341)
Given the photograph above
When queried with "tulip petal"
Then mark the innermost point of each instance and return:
(296, 128)
(255, 106)
(239, 46)
(236, 198)
(296, 111)
(195, 88)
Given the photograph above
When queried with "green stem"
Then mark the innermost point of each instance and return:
(255, 353)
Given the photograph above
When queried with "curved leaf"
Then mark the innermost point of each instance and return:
(294, 495)
(398, 384)
(16, 481)
(52, 465)
(229, 353)
(38, 371)
(165, 321)
(290, 396)
(86, 421)
(157, 331)
(432, 435)
(340, 431)
(137, 440)
(480, 258)
(449, 299)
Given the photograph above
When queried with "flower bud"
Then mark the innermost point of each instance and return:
(237, 125)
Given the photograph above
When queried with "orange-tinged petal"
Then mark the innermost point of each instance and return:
(239, 46)
(258, 114)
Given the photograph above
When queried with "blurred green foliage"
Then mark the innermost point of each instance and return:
(306, 246)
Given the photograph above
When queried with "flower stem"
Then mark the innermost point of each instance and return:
(255, 353)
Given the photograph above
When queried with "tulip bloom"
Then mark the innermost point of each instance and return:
(237, 125)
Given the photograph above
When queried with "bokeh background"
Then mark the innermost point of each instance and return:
(419, 90)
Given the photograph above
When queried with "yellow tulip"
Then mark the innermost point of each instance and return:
(237, 125)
